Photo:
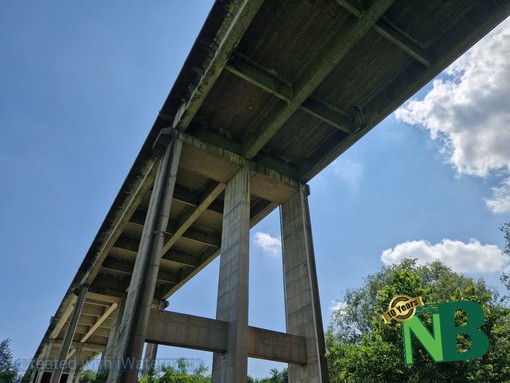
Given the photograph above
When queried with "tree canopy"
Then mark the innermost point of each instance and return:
(8, 370)
(362, 348)
(180, 374)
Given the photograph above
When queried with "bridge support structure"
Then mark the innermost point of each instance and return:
(228, 336)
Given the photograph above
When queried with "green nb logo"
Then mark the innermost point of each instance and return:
(441, 344)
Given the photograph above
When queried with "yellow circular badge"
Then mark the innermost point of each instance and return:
(402, 308)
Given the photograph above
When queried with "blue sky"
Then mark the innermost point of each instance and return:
(81, 84)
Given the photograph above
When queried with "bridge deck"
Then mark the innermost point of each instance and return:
(284, 85)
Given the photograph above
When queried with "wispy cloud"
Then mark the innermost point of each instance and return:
(348, 171)
(461, 257)
(270, 245)
(469, 110)
(338, 307)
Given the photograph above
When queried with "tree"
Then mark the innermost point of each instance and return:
(180, 374)
(87, 376)
(362, 348)
(8, 371)
(505, 228)
(276, 377)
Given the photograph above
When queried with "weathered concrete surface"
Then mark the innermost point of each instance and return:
(182, 330)
(131, 335)
(232, 305)
(68, 339)
(302, 304)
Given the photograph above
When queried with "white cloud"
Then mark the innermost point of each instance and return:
(349, 171)
(338, 307)
(500, 202)
(469, 110)
(461, 257)
(269, 244)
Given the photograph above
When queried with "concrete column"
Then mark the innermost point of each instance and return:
(151, 349)
(302, 306)
(149, 360)
(45, 361)
(130, 338)
(68, 338)
(71, 376)
(33, 375)
(232, 306)
(106, 356)
(73, 369)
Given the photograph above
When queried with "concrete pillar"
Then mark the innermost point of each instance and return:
(68, 338)
(302, 306)
(106, 356)
(149, 360)
(232, 306)
(45, 361)
(73, 368)
(151, 349)
(70, 376)
(130, 338)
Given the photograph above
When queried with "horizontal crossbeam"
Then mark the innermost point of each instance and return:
(269, 81)
(237, 22)
(391, 33)
(313, 75)
(181, 330)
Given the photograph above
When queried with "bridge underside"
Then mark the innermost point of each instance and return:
(278, 87)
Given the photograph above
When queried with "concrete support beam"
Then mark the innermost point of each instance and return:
(329, 114)
(101, 319)
(149, 359)
(63, 319)
(93, 347)
(107, 354)
(74, 370)
(314, 74)
(302, 304)
(274, 181)
(183, 195)
(276, 346)
(195, 234)
(68, 339)
(391, 33)
(131, 335)
(259, 76)
(91, 296)
(191, 216)
(182, 330)
(267, 80)
(151, 349)
(189, 331)
(234, 25)
(232, 306)
(44, 361)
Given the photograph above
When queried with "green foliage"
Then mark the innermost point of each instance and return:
(89, 376)
(361, 348)
(8, 371)
(505, 278)
(505, 228)
(276, 377)
(178, 375)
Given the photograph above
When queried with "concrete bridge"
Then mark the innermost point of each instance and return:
(271, 93)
